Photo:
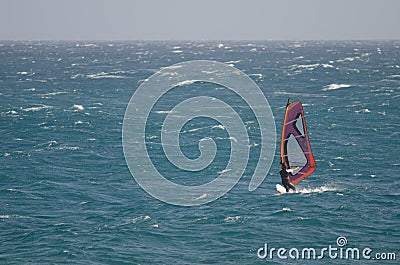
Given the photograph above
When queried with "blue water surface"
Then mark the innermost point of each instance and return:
(67, 195)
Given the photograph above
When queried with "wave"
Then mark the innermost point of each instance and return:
(112, 75)
(224, 171)
(103, 75)
(141, 219)
(309, 190)
(233, 62)
(347, 59)
(77, 107)
(202, 196)
(195, 129)
(283, 210)
(393, 76)
(335, 86)
(72, 148)
(309, 67)
(11, 113)
(164, 111)
(362, 111)
(233, 139)
(22, 73)
(38, 108)
(219, 126)
(81, 122)
(187, 82)
(49, 95)
(51, 143)
(259, 76)
(311, 95)
(8, 216)
(231, 219)
(317, 189)
(89, 45)
(205, 218)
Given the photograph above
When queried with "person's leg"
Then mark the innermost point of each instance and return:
(286, 185)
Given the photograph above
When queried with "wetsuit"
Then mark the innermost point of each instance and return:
(286, 181)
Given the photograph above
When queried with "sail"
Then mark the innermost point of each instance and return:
(295, 145)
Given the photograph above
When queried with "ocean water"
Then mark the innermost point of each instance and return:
(67, 195)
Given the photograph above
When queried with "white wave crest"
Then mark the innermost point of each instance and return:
(163, 111)
(317, 189)
(259, 76)
(77, 107)
(363, 111)
(141, 218)
(112, 75)
(7, 216)
(38, 108)
(309, 67)
(224, 171)
(187, 82)
(335, 86)
(347, 59)
(219, 126)
(230, 219)
(49, 95)
(202, 196)
(285, 209)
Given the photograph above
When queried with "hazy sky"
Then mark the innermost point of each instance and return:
(199, 20)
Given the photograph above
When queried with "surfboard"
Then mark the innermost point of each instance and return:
(280, 189)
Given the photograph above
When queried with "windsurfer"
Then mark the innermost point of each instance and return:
(285, 174)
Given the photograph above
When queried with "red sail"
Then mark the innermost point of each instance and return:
(295, 145)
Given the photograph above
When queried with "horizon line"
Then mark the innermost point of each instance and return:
(194, 40)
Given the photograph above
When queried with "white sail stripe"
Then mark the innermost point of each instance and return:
(294, 120)
(290, 122)
(296, 137)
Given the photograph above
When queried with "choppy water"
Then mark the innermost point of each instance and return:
(67, 196)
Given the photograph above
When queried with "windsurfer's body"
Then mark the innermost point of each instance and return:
(295, 148)
(285, 176)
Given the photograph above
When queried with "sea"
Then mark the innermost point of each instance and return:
(67, 195)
